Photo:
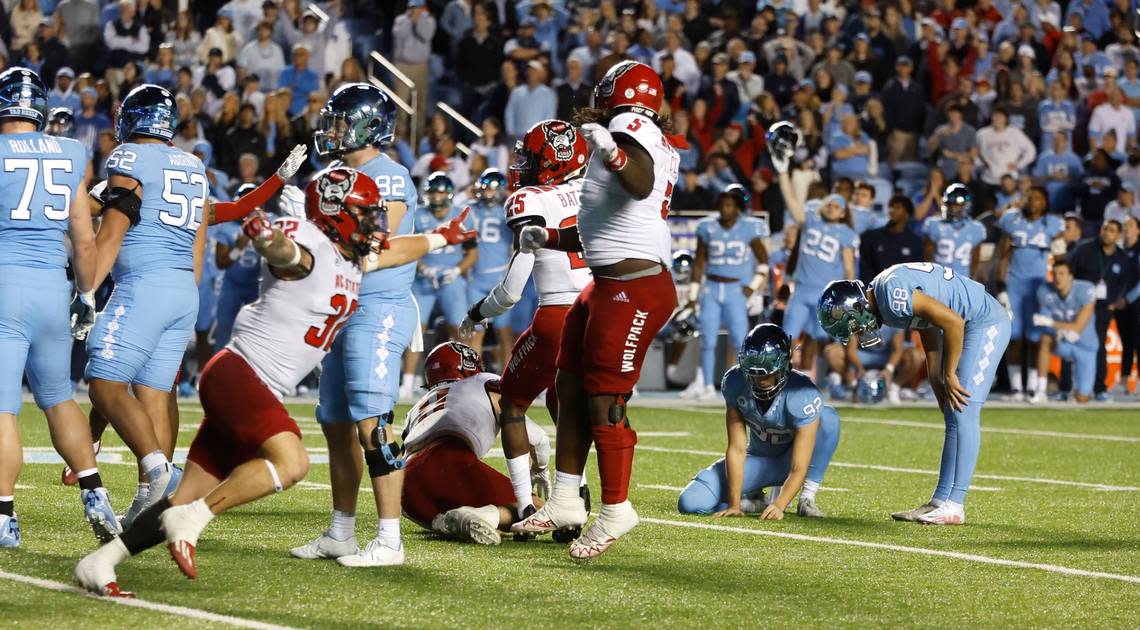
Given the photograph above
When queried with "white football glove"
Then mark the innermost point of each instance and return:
(1071, 336)
(82, 315)
(1042, 320)
(291, 203)
(1003, 299)
(466, 328)
(292, 162)
(540, 482)
(601, 142)
(755, 304)
(531, 239)
(447, 276)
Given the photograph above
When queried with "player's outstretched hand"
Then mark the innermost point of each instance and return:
(454, 231)
(82, 315)
(772, 513)
(532, 238)
(956, 395)
(466, 328)
(257, 228)
(292, 162)
(600, 141)
(729, 511)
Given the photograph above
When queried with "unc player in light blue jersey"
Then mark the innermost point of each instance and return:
(1024, 251)
(493, 259)
(39, 177)
(964, 333)
(954, 239)
(240, 270)
(732, 260)
(893, 360)
(1066, 311)
(779, 434)
(360, 377)
(863, 214)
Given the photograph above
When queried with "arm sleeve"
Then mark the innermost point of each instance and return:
(247, 203)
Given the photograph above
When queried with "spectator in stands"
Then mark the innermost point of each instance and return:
(1059, 169)
(299, 79)
(276, 128)
(839, 68)
(456, 20)
(524, 46)
(1057, 113)
(691, 194)
(835, 109)
(221, 36)
(954, 142)
(478, 59)
(217, 79)
(779, 83)
(163, 71)
(263, 57)
(1098, 186)
(1113, 116)
(126, 39)
(63, 94)
(531, 102)
(717, 87)
(244, 136)
(1125, 205)
(892, 244)
(1130, 171)
(573, 92)
(88, 120)
(247, 173)
(685, 68)
(491, 146)
(1127, 311)
(1099, 261)
(618, 44)
(901, 98)
(873, 122)
(412, 33)
(852, 151)
(185, 39)
(79, 20)
(24, 21)
(1003, 150)
(591, 50)
(153, 17)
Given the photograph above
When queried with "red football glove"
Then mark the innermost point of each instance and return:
(257, 228)
(453, 230)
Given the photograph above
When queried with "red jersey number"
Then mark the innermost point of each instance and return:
(576, 260)
(323, 337)
(288, 226)
(668, 199)
(634, 125)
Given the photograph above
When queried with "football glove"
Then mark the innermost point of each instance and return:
(447, 276)
(467, 327)
(601, 142)
(1042, 320)
(291, 203)
(540, 482)
(1070, 336)
(257, 228)
(82, 315)
(292, 162)
(454, 231)
(755, 304)
(532, 238)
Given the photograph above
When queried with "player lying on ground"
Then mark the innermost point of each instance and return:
(1065, 312)
(964, 333)
(779, 433)
(446, 486)
(247, 446)
(546, 177)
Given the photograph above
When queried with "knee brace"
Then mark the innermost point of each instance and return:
(617, 409)
(387, 456)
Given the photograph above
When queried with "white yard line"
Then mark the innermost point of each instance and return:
(969, 557)
(654, 486)
(181, 611)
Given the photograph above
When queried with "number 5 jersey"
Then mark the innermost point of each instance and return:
(288, 330)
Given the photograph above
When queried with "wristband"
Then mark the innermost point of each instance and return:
(436, 241)
(235, 253)
(296, 259)
(694, 291)
(889, 369)
(618, 162)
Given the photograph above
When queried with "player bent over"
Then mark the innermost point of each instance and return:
(964, 333)
(779, 433)
(446, 486)
(247, 446)
(1066, 310)
(624, 236)
(546, 178)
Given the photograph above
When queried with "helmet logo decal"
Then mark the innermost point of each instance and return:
(333, 189)
(561, 139)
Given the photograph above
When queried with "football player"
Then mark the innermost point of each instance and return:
(247, 446)
(360, 377)
(1027, 236)
(1065, 309)
(779, 434)
(624, 236)
(40, 174)
(446, 435)
(894, 359)
(441, 277)
(546, 177)
(864, 217)
(954, 239)
(240, 268)
(730, 251)
(964, 333)
(494, 256)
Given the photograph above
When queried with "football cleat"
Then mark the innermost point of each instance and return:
(707, 394)
(945, 514)
(912, 515)
(1039, 398)
(613, 522)
(556, 514)
(97, 508)
(1015, 396)
(325, 546)
(183, 524)
(9, 532)
(694, 389)
(97, 575)
(163, 480)
(808, 508)
(470, 524)
(375, 554)
(138, 504)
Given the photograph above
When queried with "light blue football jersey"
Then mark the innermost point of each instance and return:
(1031, 241)
(797, 405)
(395, 184)
(821, 250)
(449, 256)
(174, 191)
(868, 219)
(954, 241)
(38, 176)
(894, 289)
(494, 238)
(246, 270)
(730, 250)
(1065, 308)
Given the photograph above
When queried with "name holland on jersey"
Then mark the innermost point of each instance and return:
(630, 349)
(43, 144)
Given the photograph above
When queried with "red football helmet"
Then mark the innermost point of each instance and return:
(347, 206)
(633, 86)
(450, 361)
(550, 153)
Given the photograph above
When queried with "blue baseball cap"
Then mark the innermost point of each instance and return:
(863, 77)
(747, 57)
(836, 198)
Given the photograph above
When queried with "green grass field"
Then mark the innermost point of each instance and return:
(1055, 487)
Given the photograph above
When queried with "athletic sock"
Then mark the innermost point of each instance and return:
(614, 444)
(114, 551)
(583, 482)
(343, 525)
(1014, 377)
(388, 531)
(146, 530)
(566, 485)
(1031, 382)
(89, 479)
(519, 470)
(150, 461)
(7, 506)
(810, 488)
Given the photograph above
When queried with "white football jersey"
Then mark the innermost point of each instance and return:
(287, 331)
(612, 224)
(558, 276)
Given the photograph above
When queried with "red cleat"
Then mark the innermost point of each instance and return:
(111, 589)
(183, 554)
(67, 477)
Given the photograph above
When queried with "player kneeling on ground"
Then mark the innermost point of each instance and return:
(1065, 310)
(446, 486)
(793, 436)
(247, 446)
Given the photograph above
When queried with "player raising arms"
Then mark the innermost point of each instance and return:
(247, 446)
(546, 176)
(964, 333)
(39, 177)
(624, 236)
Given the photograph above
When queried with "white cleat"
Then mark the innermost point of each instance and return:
(893, 394)
(96, 571)
(556, 514)
(707, 394)
(376, 554)
(407, 394)
(1015, 396)
(912, 515)
(470, 524)
(946, 514)
(613, 522)
(1040, 398)
(325, 546)
(694, 388)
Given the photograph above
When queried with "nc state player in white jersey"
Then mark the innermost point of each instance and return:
(247, 446)
(547, 178)
(446, 434)
(623, 234)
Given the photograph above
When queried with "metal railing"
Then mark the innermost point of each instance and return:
(410, 106)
